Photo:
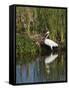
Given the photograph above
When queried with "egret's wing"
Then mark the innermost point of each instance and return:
(50, 43)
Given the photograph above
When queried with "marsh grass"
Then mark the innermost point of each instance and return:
(30, 21)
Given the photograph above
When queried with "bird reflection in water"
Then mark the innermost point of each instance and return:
(48, 60)
(42, 69)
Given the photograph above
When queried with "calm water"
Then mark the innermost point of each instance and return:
(45, 68)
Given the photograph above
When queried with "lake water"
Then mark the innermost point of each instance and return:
(46, 68)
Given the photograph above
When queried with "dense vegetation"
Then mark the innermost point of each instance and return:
(34, 21)
(25, 45)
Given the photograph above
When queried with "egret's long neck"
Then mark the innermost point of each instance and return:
(47, 36)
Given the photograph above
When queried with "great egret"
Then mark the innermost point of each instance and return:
(49, 42)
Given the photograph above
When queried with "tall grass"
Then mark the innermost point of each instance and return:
(36, 20)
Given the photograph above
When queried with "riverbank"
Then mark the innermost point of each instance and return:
(25, 46)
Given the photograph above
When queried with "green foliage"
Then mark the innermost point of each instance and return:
(24, 45)
(39, 20)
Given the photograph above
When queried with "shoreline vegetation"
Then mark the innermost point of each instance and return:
(32, 24)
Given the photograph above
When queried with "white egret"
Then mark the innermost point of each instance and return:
(49, 42)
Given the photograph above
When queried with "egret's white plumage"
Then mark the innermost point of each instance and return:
(50, 43)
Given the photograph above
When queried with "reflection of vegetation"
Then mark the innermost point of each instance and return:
(57, 69)
(24, 59)
(35, 69)
(34, 21)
